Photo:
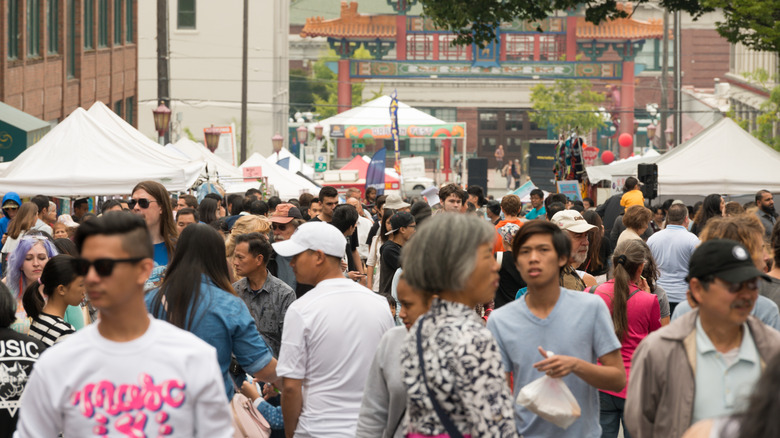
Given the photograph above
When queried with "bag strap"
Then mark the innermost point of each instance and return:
(632, 294)
(235, 417)
(500, 257)
(449, 426)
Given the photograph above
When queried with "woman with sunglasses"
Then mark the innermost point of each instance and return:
(62, 287)
(197, 296)
(151, 201)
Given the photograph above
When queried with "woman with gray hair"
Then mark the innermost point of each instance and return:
(450, 362)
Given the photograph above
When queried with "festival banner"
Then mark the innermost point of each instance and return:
(284, 162)
(394, 132)
(375, 175)
(571, 189)
(357, 132)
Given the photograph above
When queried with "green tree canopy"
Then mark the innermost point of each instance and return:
(568, 105)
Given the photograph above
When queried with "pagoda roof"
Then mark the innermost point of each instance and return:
(620, 28)
(351, 25)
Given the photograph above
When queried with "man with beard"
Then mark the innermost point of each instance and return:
(766, 211)
(577, 229)
(704, 364)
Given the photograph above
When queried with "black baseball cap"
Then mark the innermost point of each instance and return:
(724, 259)
(400, 220)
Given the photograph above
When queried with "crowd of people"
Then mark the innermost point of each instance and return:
(357, 315)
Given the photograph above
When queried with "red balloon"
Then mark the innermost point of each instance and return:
(625, 140)
(607, 157)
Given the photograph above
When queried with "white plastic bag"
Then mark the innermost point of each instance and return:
(550, 399)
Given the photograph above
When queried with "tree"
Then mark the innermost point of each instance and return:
(768, 120)
(568, 105)
(754, 23)
(326, 103)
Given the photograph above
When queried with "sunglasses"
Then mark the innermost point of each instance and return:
(280, 227)
(751, 284)
(143, 203)
(10, 208)
(103, 267)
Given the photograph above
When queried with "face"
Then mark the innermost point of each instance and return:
(60, 231)
(408, 232)
(283, 232)
(244, 263)
(11, 210)
(124, 286)
(537, 261)
(370, 197)
(315, 209)
(482, 284)
(305, 266)
(74, 292)
(220, 210)
(536, 201)
(181, 203)
(34, 261)
(328, 204)
(473, 200)
(413, 303)
(356, 203)
(453, 204)
(722, 206)
(183, 220)
(579, 246)
(658, 216)
(51, 216)
(585, 204)
(722, 305)
(767, 201)
(152, 213)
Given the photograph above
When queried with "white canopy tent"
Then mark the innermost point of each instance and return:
(216, 166)
(82, 157)
(723, 158)
(295, 164)
(287, 183)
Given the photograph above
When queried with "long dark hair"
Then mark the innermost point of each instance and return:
(168, 228)
(58, 271)
(200, 251)
(594, 263)
(208, 210)
(709, 208)
(628, 257)
(386, 215)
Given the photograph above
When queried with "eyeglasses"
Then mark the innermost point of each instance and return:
(103, 267)
(280, 227)
(143, 203)
(10, 208)
(751, 284)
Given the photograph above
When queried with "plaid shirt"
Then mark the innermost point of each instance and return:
(268, 307)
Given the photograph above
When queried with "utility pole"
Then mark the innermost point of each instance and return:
(163, 68)
(665, 80)
(244, 67)
(677, 80)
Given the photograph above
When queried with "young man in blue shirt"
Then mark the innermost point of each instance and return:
(537, 201)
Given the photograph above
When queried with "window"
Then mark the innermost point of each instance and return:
(513, 120)
(118, 107)
(129, 109)
(448, 52)
(89, 24)
(519, 47)
(185, 15)
(13, 29)
(71, 39)
(419, 47)
(33, 28)
(102, 23)
(118, 7)
(53, 25)
(129, 21)
(488, 121)
(550, 48)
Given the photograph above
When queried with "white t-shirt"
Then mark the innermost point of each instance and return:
(363, 228)
(165, 383)
(329, 340)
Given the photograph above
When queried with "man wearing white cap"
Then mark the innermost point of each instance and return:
(329, 339)
(577, 229)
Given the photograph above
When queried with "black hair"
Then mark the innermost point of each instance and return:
(759, 195)
(191, 211)
(537, 192)
(559, 197)
(200, 251)
(109, 204)
(259, 208)
(328, 192)
(79, 202)
(494, 207)
(258, 245)
(630, 184)
(66, 246)
(7, 307)
(58, 271)
(590, 202)
(41, 201)
(236, 203)
(273, 201)
(190, 200)
(220, 225)
(136, 241)
(253, 192)
(553, 208)
(391, 301)
(560, 239)
(344, 216)
(213, 196)
(370, 190)
(479, 193)
(208, 210)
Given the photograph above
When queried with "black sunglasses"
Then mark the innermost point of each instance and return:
(103, 267)
(143, 203)
(280, 227)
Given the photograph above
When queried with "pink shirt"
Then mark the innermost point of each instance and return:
(644, 317)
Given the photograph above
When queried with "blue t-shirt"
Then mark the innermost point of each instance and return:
(537, 213)
(223, 320)
(160, 264)
(579, 325)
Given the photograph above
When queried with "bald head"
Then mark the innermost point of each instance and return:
(356, 203)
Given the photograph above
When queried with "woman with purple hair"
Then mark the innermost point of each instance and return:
(25, 265)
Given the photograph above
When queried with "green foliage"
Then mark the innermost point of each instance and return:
(326, 103)
(189, 133)
(474, 21)
(754, 23)
(567, 105)
(769, 118)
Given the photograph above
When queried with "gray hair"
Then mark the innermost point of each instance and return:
(442, 254)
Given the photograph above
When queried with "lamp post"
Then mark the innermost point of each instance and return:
(669, 137)
(212, 138)
(162, 118)
(303, 136)
(650, 134)
(277, 141)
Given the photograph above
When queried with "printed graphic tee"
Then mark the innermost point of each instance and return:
(165, 383)
(18, 354)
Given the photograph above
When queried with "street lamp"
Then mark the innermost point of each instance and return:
(651, 134)
(162, 117)
(318, 131)
(277, 141)
(303, 136)
(669, 136)
(212, 138)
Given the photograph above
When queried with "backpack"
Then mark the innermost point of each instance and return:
(247, 421)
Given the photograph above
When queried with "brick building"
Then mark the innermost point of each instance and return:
(59, 55)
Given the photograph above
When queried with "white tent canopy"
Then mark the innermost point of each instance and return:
(81, 157)
(295, 164)
(216, 166)
(287, 183)
(723, 158)
(624, 167)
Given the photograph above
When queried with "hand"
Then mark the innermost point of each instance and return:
(356, 276)
(249, 390)
(642, 283)
(344, 265)
(269, 391)
(5, 236)
(556, 366)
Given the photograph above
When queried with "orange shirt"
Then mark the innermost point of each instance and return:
(499, 245)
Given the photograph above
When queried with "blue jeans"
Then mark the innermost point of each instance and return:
(612, 415)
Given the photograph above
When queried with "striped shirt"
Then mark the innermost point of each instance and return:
(50, 329)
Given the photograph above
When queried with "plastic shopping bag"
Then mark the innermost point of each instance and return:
(550, 399)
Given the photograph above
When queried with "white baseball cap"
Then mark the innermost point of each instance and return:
(571, 220)
(317, 236)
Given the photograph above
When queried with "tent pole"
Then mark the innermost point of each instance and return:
(464, 178)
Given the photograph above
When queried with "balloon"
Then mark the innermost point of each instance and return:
(625, 140)
(607, 157)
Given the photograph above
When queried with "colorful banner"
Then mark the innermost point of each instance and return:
(522, 70)
(375, 175)
(571, 189)
(394, 132)
(357, 132)
(284, 162)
